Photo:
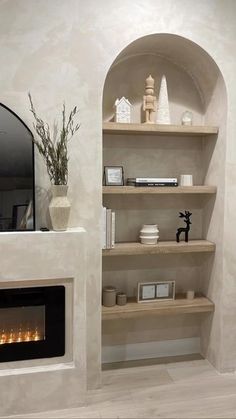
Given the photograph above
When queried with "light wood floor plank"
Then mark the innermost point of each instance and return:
(192, 389)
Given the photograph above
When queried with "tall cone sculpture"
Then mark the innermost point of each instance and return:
(163, 111)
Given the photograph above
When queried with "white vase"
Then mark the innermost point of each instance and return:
(59, 207)
(149, 234)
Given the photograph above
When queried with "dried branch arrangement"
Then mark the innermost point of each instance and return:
(54, 149)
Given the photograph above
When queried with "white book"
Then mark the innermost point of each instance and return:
(104, 227)
(155, 180)
(113, 228)
(108, 228)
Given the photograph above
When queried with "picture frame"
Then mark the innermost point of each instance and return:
(113, 176)
(155, 291)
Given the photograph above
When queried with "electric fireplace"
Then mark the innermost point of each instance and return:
(32, 323)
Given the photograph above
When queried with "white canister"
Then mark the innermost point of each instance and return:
(149, 234)
(186, 180)
(190, 294)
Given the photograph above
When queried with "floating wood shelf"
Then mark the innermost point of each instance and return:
(180, 305)
(167, 247)
(134, 190)
(157, 129)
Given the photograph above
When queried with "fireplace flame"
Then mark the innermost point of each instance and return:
(20, 335)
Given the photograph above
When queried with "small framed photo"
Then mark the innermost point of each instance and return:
(147, 292)
(113, 176)
(156, 291)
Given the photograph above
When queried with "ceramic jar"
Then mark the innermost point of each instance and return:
(109, 296)
(149, 234)
(121, 299)
(59, 207)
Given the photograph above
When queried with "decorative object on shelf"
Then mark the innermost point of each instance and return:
(149, 234)
(186, 180)
(187, 118)
(113, 176)
(186, 216)
(156, 291)
(55, 154)
(163, 111)
(122, 110)
(190, 295)
(149, 101)
(109, 296)
(121, 299)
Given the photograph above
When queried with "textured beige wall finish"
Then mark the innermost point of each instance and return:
(62, 50)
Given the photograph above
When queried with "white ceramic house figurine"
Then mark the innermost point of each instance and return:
(149, 101)
(163, 111)
(122, 110)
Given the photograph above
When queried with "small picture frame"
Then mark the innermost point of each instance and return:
(113, 176)
(156, 291)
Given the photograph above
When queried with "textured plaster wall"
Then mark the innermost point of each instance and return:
(62, 50)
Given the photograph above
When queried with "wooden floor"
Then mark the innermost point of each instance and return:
(190, 389)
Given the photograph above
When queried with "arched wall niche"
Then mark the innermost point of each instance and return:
(192, 75)
(195, 83)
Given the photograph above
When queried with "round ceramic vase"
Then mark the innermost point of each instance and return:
(59, 208)
(149, 234)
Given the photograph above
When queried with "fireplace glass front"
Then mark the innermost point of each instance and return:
(32, 323)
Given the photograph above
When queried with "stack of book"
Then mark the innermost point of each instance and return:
(148, 181)
(108, 228)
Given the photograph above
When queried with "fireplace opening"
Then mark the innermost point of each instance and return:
(32, 323)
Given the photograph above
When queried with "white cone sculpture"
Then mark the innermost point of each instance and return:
(163, 111)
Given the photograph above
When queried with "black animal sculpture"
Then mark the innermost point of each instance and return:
(186, 229)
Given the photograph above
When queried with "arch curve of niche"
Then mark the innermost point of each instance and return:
(195, 83)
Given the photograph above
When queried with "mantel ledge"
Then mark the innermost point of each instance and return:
(71, 230)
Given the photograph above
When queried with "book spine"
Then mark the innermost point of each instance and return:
(167, 184)
(113, 228)
(108, 224)
(104, 227)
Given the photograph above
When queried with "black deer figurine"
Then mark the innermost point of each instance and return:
(186, 229)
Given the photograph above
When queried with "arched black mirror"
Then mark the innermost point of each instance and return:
(17, 203)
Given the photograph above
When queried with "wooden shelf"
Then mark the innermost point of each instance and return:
(163, 190)
(167, 247)
(157, 129)
(180, 305)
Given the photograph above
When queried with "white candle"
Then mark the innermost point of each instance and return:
(190, 294)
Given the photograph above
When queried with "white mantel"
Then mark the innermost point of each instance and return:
(46, 258)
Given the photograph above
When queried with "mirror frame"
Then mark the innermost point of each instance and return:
(33, 169)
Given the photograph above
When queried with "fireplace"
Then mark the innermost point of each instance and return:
(32, 323)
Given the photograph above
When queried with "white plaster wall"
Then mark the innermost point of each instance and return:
(32, 259)
(62, 50)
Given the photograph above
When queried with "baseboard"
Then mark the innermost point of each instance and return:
(134, 351)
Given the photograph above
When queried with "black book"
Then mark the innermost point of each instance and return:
(157, 184)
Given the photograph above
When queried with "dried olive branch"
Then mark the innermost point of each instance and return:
(54, 151)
